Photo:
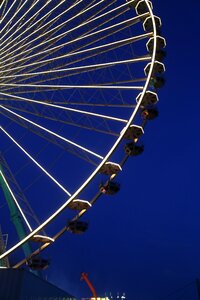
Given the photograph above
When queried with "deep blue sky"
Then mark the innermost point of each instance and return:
(145, 241)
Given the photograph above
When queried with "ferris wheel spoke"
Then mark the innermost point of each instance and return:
(51, 139)
(15, 201)
(4, 16)
(81, 69)
(115, 84)
(69, 31)
(51, 50)
(30, 25)
(59, 143)
(76, 103)
(46, 26)
(97, 51)
(18, 41)
(11, 87)
(55, 29)
(4, 2)
(3, 12)
(20, 21)
(62, 75)
(76, 71)
(21, 77)
(88, 113)
(68, 55)
(17, 191)
(48, 87)
(35, 162)
(52, 133)
(68, 121)
(14, 15)
(125, 24)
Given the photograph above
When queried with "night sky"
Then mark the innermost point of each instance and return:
(145, 240)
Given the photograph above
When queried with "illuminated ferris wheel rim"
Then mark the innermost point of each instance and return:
(104, 159)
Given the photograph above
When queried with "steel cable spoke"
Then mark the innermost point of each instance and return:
(35, 162)
(52, 133)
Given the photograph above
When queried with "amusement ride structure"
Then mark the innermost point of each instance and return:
(78, 85)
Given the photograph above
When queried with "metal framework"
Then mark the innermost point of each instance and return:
(75, 74)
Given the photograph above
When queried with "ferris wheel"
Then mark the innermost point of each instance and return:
(78, 84)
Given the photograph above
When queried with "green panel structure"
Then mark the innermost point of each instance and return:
(15, 215)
